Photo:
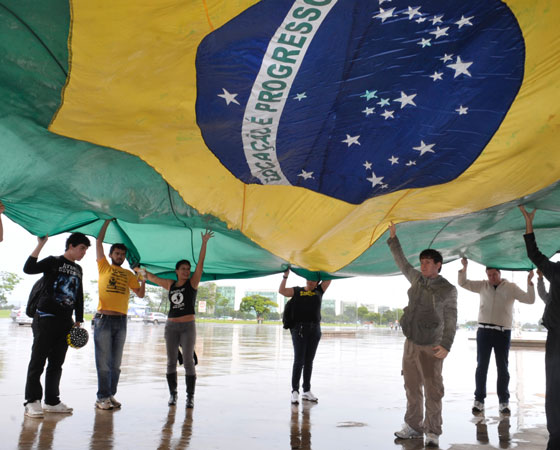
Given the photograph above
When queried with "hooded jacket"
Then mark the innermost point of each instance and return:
(431, 315)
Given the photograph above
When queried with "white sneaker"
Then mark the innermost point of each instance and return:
(432, 440)
(478, 407)
(61, 408)
(408, 432)
(504, 408)
(115, 402)
(309, 397)
(104, 403)
(34, 409)
(295, 397)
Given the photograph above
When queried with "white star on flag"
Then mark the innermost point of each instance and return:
(368, 111)
(423, 148)
(383, 102)
(374, 179)
(413, 12)
(300, 97)
(381, 1)
(419, 20)
(405, 100)
(460, 67)
(439, 32)
(384, 186)
(229, 98)
(388, 114)
(462, 110)
(394, 160)
(384, 14)
(367, 165)
(305, 175)
(447, 57)
(436, 19)
(410, 163)
(437, 76)
(464, 21)
(425, 42)
(351, 140)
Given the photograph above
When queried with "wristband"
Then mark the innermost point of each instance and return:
(285, 278)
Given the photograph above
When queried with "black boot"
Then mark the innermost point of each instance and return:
(191, 382)
(172, 383)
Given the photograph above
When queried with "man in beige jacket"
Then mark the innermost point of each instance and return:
(495, 320)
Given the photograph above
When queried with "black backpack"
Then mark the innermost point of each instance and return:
(37, 291)
(288, 319)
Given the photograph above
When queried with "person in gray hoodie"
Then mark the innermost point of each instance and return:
(429, 323)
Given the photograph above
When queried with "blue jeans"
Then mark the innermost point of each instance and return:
(305, 338)
(109, 334)
(486, 340)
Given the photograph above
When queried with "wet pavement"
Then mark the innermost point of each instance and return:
(243, 395)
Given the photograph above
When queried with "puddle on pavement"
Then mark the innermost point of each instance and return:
(243, 395)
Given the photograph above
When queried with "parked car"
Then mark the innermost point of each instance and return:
(155, 318)
(18, 316)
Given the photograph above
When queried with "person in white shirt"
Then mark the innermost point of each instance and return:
(495, 320)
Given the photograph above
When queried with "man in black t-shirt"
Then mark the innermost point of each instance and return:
(62, 295)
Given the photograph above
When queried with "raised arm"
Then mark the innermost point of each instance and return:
(165, 283)
(283, 290)
(398, 255)
(529, 216)
(548, 268)
(31, 265)
(529, 296)
(2, 209)
(473, 286)
(100, 239)
(325, 285)
(197, 275)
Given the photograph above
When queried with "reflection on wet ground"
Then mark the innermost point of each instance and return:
(243, 391)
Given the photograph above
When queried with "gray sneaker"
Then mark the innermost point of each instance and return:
(34, 409)
(104, 403)
(478, 407)
(504, 408)
(432, 440)
(116, 404)
(408, 432)
(60, 408)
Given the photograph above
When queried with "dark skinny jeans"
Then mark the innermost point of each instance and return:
(49, 343)
(305, 338)
(552, 399)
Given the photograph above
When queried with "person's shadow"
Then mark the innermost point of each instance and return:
(167, 430)
(102, 435)
(39, 431)
(300, 431)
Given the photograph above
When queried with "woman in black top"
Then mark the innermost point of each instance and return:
(180, 327)
(306, 331)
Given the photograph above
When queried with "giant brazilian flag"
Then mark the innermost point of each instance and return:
(296, 129)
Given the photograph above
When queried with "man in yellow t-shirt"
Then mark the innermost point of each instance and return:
(110, 321)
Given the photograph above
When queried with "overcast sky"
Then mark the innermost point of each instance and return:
(389, 291)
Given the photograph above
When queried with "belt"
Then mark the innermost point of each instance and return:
(493, 326)
(109, 316)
